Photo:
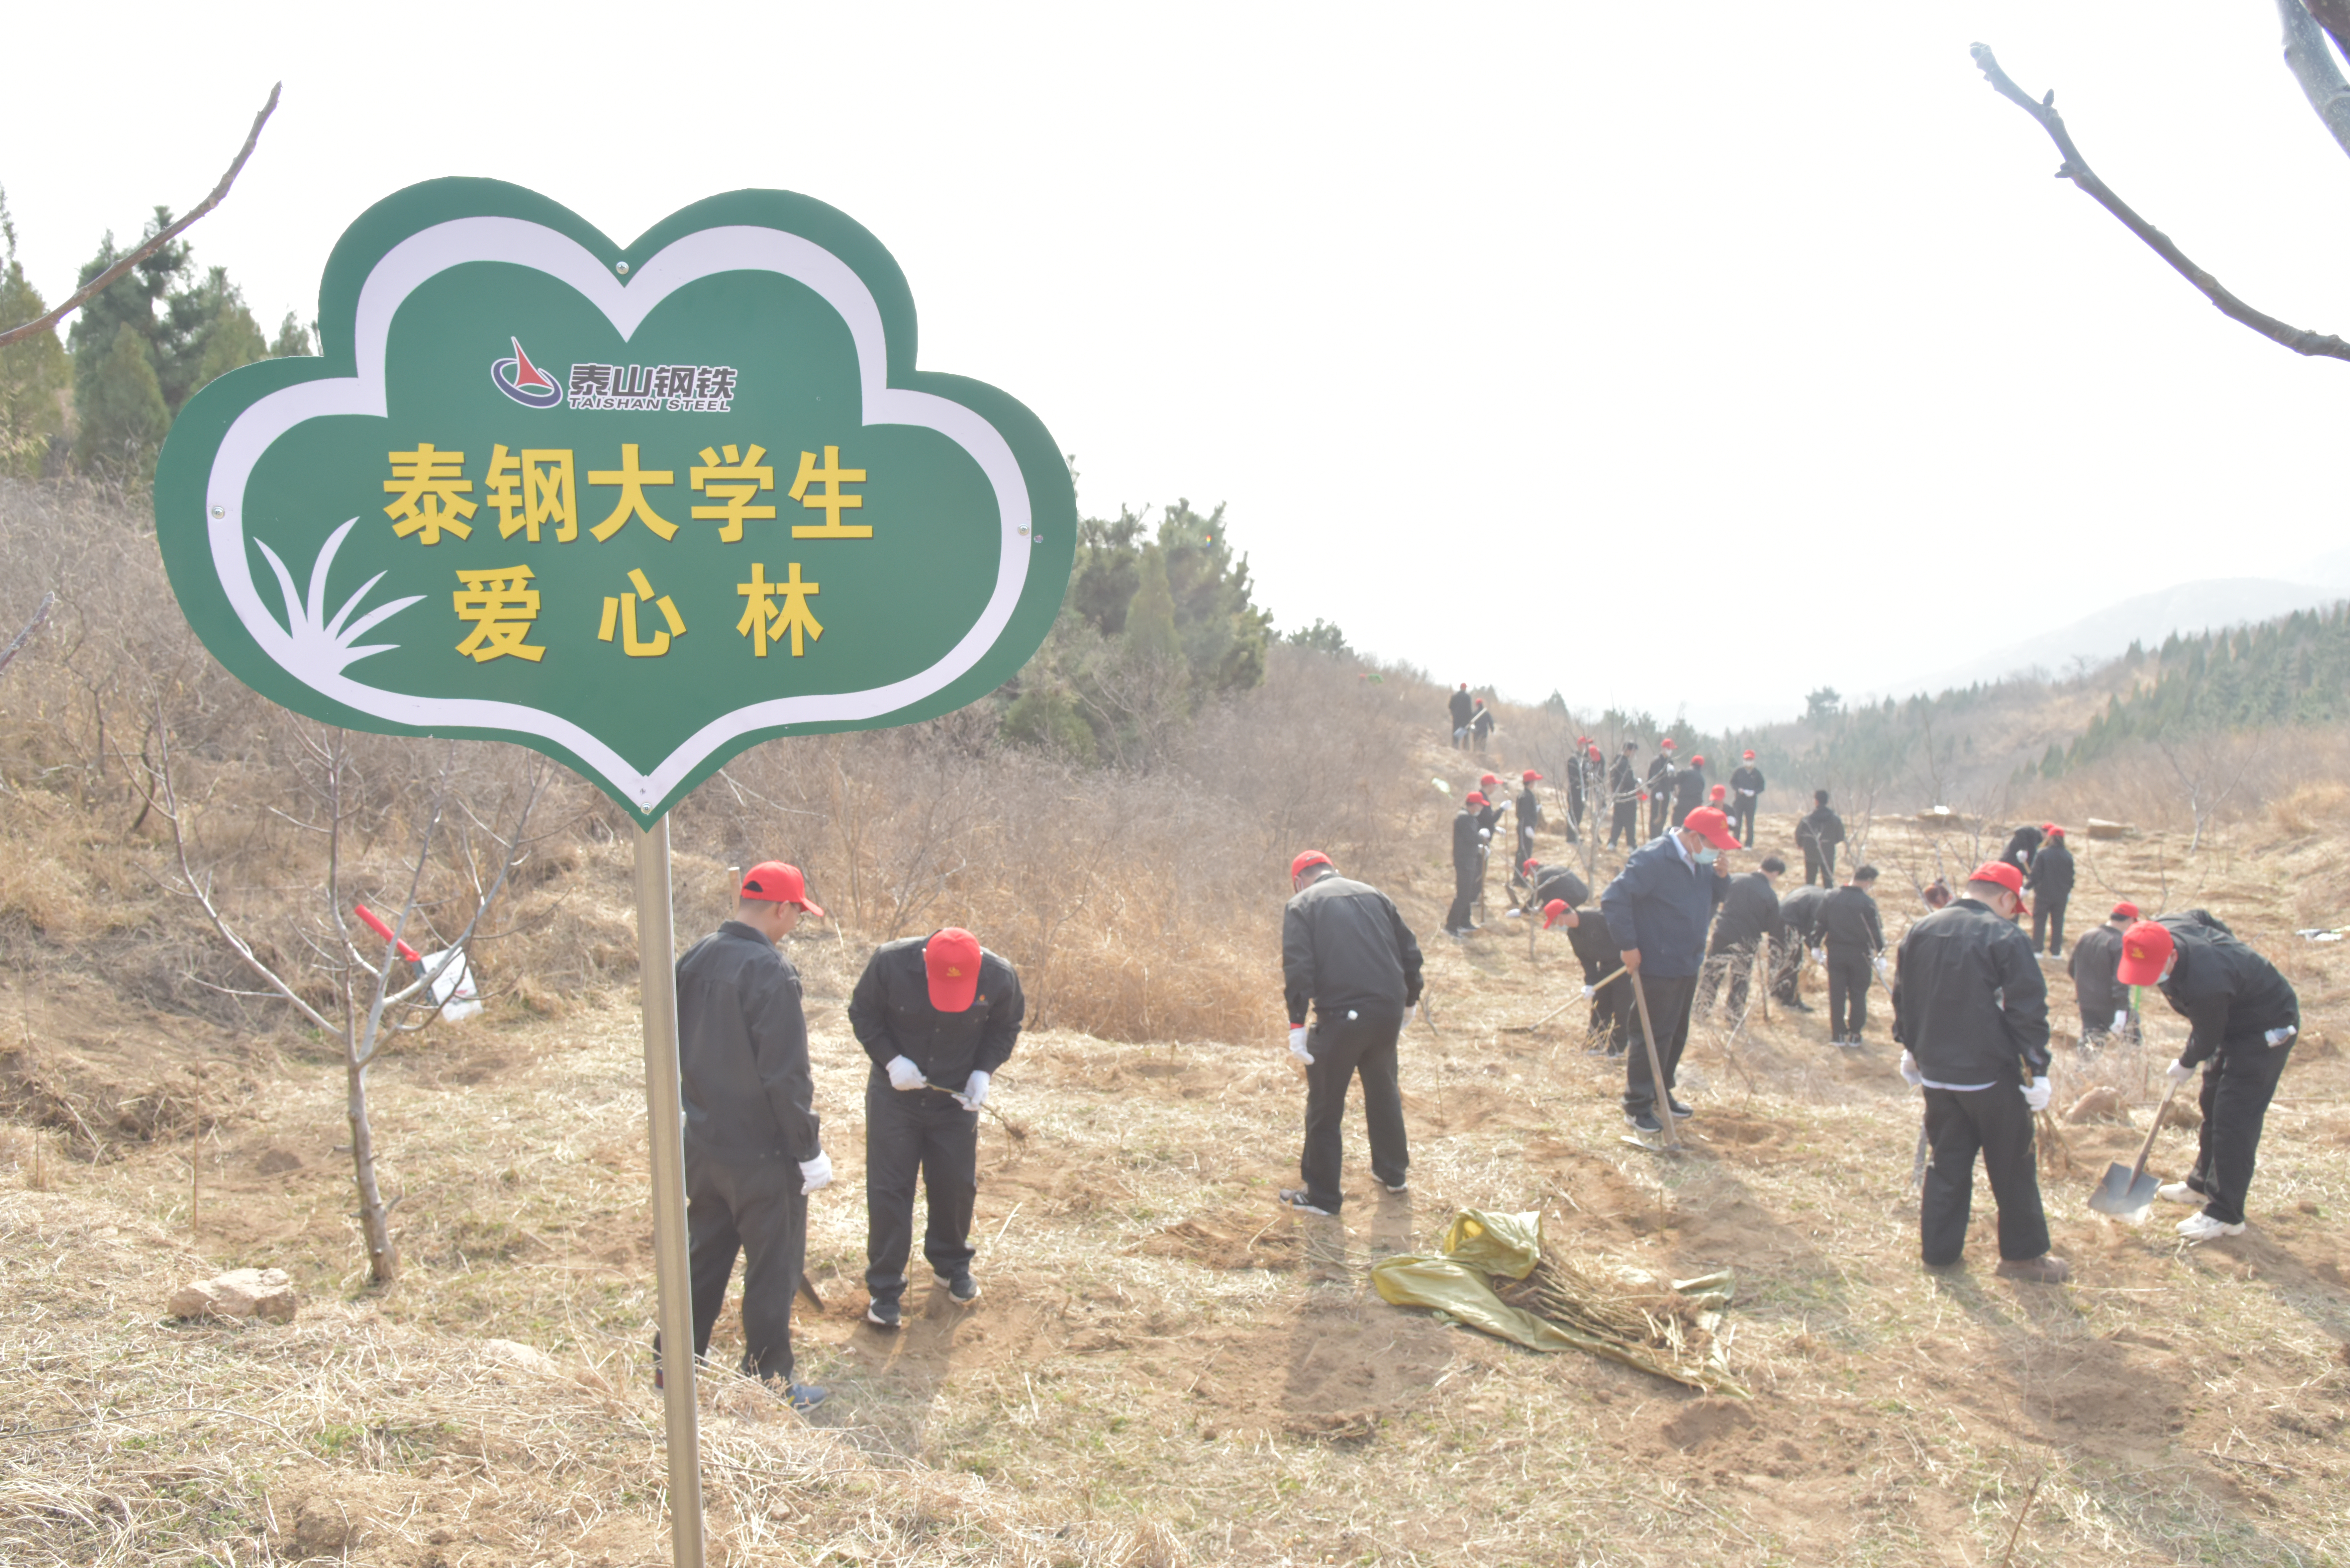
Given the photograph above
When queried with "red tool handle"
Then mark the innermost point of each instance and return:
(374, 922)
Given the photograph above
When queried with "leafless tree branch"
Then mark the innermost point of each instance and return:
(98, 286)
(2312, 64)
(2077, 169)
(18, 642)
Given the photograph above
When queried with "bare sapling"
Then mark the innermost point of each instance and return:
(367, 1001)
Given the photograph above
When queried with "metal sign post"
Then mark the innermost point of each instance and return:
(665, 1124)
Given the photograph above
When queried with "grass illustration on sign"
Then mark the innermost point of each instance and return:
(490, 517)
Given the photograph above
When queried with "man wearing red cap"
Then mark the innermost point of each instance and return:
(1462, 706)
(752, 1149)
(938, 1015)
(2022, 845)
(1817, 835)
(1529, 813)
(1624, 794)
(1346, 954)
(1584, 770)
(1745, 797)
(2105, 999)
(2243, 1018)
(2051, 882)
(1480, 726)
(1659, 907)
(1689, 791)
(1469, 837)
(1852, 935)
(1972, 1009)
(1660, 787)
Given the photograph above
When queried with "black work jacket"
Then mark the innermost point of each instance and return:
(1529, 810)
(1799, 912)
(2022, 845)
(2052, 871)
(1484, 723)
(741, 1049)
(2094, 967)
(1968, 998)
(1623, 779)
(1557, 882)
(1820, 829)
(1595, 945)
(1343, 945)
(1746, 781)
(891, 1015)
(1750, 911)
(1689, 790)
(2229, 995)
(1489, 815)
(1849, 919)
(1465, 842)
(1461, 704)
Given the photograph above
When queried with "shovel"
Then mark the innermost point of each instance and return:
(2128, 1191)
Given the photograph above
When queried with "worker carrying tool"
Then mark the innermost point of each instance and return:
(1530, 817)
(1658, 908)
(2023, 844)
(1853, 940)
(1470, 839)
(753, 1153)
(1661, 775)
(938, 1016)
(1970, 1010)
(1605, 984)
(1462, 706)
(1624, 792)
(2050, 884)
(1798, 933)
(1689, 791)
(1346, 954)
(2094, 967)
(1817, 834)
(1745, 797)
(1749, 914)
(2243, 1017)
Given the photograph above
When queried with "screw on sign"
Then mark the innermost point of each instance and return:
(388, 537)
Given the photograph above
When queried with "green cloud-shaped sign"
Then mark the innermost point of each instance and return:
(638, 507)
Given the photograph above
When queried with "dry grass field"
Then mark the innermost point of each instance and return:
(1164, 1367)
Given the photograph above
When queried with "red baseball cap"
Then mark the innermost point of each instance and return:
(1531, 866)
(2050, 828)
(1530, 776)
(1747, 757)
(2145, 948)
(1474, 798)
(2124, 910)
(1594, 754)
(1552, 911)
(1707, 823)
(1489, 778)
(1698, 761)
(1666, 745)
(951, 957)
(778, 884)
(2001, 872)
(2055, 833)
(1721, 791)
(1310, 857)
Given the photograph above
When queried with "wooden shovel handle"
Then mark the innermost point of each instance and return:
(2146, 1148)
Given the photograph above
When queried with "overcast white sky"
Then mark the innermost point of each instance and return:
(1681, 356)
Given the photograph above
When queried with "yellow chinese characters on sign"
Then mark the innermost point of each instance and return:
(502, 604)
(427, 489)
(622, 612)
(531, 489)
(819, 490)
(763, 620)
(734, 482)
(631, 481)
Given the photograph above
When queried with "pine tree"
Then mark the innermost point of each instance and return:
(1150, 615)
(123, 416)
(32, 370)
(293, 339)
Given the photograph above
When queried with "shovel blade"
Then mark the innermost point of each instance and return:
(2125, 1194)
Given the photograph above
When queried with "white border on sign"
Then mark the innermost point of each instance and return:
(315, 654)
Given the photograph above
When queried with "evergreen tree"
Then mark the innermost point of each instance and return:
(123, 416)
(293, 339)
(1150, 619)
(32, 371)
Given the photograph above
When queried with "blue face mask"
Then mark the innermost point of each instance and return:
(1706, 857)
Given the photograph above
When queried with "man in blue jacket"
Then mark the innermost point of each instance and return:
(1658, 908)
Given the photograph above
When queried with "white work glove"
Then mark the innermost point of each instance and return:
(974, 1092)
(2036, 1096)
(1484, 833)
(816, 1173)
(1297, 1045)
(1909, 1074)
(1880, 964)
(903, 1074)
(2179, 1072)
(2121, 1023)
(1589, 992)
(1819, 955)
(2277, 1037)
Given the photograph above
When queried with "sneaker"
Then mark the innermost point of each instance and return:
(961, 1289)
(2203, 1227)
(2177, 1192)
(1794, 1004)
(1645, 1123)
(2047, 1269)
(882, 1312)
(1397, 1185)
(1295, 1198)
(806, 1395)
(1851, 1042)
(1679, 1110)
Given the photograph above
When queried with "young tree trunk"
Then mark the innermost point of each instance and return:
(375, 1215)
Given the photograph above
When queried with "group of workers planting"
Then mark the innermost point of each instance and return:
(938, 1015)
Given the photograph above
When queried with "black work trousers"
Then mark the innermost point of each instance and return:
(1741, 819)
(1625, 826)
(1669, 999)
(1525, 852)
(1661, 807)
(2238, 1084)
(1358, 1040)
(754, 1206)
(910, 1133)
(1468, 882)
(1787, 965)
(1819, 864)
(2048, 921)
(1996, 1124)
(1848, 977)
(1734, 961)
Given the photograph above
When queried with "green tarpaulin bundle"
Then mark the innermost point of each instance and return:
(1458, 1284)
